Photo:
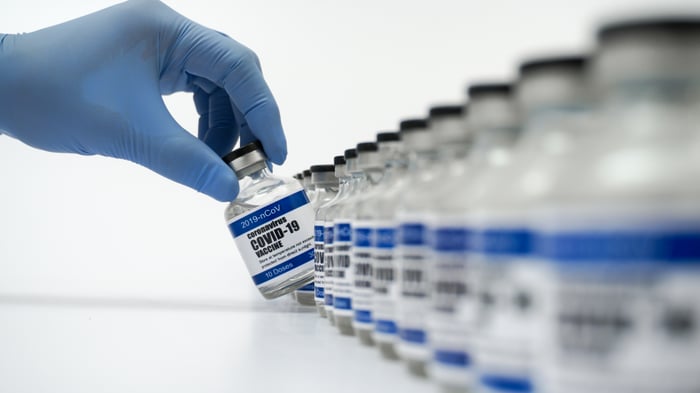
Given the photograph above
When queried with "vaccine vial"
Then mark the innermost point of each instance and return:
(271, 221)
(412, 253)
(447, 265)
(413, 134)
(326, 185)
(327, 213)
(551, 100)
(373, 164)
(343, 232)
(308, 185)
(621, 224)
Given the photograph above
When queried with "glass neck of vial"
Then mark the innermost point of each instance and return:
(492, 142)
(541, 121)
(457, 150)
(358, 180)
(653, 110)
(420, 159)
(343, 182)
(257, 177)
(373, 175)
(395, 161)
(356, 176)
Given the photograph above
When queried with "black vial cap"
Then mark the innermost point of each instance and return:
(243, 150)
(574, 63)
(413, 125)
(339, 160)
(322, 168)
(307, 173)
(298, 176)
(446, 111)
(680, 26)
(388, 137)
(489, 88)
(365, 147)
(350, 153)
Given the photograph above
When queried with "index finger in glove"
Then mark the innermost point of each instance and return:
(236, 69)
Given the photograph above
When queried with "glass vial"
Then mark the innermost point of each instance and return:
(621, 225)
(326, 184)
(272, 222)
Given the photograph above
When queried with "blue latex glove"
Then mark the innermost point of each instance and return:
(94, 85)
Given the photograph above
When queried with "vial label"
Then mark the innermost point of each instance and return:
(451, 278)
(319, 248)
(626, 298)
(413, 253)
(328, 264)
(384, 285)
(276, 239)
(342, 272)
(362, 274)
(510, 291)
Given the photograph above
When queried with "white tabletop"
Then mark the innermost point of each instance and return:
(76, 345)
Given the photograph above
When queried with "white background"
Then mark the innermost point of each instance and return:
(98, 227)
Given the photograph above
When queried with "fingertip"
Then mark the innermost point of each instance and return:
(221, 184)
(268, 130)
(278, 155)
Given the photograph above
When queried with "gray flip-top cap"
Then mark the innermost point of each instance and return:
(552, 83)
(491, 105)
(368, 156)
(653, 49)
(415, 135)
(448, 123)
(339, 164)
(323, 175)
(247, 159)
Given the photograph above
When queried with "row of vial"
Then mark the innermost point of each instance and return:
(543, 237)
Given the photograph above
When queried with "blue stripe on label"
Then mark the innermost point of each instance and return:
(318, 292)
(307, 288)
(412, 234)
(363, 316)
(342, 232)
(452, 358)
(328, 235)
(507, 384)
(268, 213)
(342, 303)
(450, 239)
(415, 336)
(362, 237)
(502, 242)
(659, 247)
(318, 233)
(281, 268)
(327, 299)
(385, 326)
(385, 238)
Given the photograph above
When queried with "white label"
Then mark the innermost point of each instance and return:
(626, 298)
(511, 288)
(453, 295)
(413, 254)
(328, 280)
(342, 269)
(384, 284)
(319, 248)
(362, 274)
(276, 240)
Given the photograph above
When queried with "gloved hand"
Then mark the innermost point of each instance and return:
(94, 85)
